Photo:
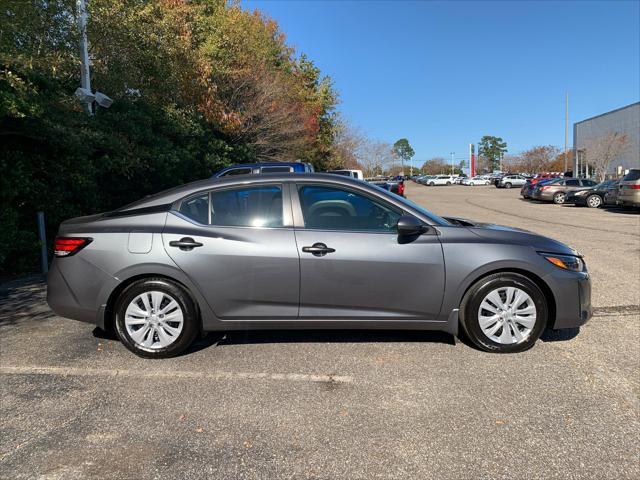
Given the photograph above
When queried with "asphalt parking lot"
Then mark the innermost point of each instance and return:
(328, 405)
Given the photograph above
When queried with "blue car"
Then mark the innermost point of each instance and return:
(270, 167)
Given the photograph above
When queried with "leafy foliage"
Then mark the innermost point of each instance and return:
(197, 85)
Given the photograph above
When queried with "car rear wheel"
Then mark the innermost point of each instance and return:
(156, 318)
(504, 313)
(448, 183)
(594, 201)
(507, 185)
(559, 197)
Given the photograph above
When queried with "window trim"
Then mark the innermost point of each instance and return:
(287, 215)
(298, 215)
(227, 173)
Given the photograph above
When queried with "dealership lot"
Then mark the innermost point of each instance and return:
(339, 404)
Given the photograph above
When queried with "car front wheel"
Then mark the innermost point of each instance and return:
(594, 201)
(504, 313)
(156, 318)
(507, 185)
(431, 184)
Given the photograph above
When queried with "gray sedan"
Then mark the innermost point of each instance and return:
(308, 251)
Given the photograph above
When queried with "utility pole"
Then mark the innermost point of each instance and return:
(566, 130)
(452, 160)
(85, 76)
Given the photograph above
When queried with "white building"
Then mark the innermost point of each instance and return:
(626, 121)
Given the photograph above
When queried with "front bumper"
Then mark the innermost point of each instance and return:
(572, 292)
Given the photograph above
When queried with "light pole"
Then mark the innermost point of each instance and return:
(85, 76)
(452, 160)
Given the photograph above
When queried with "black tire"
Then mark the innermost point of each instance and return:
(191, 324)
(448, 184)
(559, 198)
(508, 185)
(431, 184)
(476, 294)
(594, 201)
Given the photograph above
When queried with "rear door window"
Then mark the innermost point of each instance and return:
(573, 183)
(259, 206)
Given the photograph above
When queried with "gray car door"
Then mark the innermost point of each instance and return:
(238, 246)
(352, 264)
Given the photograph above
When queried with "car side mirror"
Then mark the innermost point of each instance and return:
(408, 226)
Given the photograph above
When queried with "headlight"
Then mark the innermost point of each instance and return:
(567, 262)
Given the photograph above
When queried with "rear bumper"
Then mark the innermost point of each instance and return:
(76, 290)
(61, 299)
(629, 197)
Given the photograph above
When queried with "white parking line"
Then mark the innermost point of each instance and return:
(95, 372)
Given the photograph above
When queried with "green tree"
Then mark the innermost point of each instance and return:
(492, 148)
(402, 150)
(197, 85)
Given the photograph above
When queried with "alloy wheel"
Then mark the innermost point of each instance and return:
(154, 319)
(594, 201)
(507, 315)
(559, 198)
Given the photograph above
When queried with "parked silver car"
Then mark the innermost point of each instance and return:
(509, 181)
(308, 251)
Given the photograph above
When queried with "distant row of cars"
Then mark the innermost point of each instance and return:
(435, 180)
(585, 192)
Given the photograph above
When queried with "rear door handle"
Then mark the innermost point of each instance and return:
(318, 249)
(186, 243)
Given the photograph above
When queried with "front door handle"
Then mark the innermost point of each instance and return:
(318, 249)
(186, 243)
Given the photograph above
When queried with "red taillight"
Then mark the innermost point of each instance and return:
(401, 188)
(634, 187)
(66, 246)
(544, 187)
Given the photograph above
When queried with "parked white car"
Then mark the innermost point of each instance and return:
(349, 173)
(478, 180)
(442, 180)
(509, 181)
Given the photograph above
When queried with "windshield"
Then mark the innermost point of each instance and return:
(435, 218)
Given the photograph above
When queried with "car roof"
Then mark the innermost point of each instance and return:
(176, 193)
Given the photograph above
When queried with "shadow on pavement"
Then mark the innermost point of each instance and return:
(561, 335)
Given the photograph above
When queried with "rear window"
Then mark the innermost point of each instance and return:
(632, 176)
(276, 169)
(341, 172)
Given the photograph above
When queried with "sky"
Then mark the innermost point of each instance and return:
(443, 74)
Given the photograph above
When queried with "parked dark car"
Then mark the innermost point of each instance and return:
(267, 167)
(527, 189)
(556, 190)
(390, 184)
(308, 251)
(592, 197)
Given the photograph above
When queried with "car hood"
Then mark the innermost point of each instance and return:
(512, 235)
